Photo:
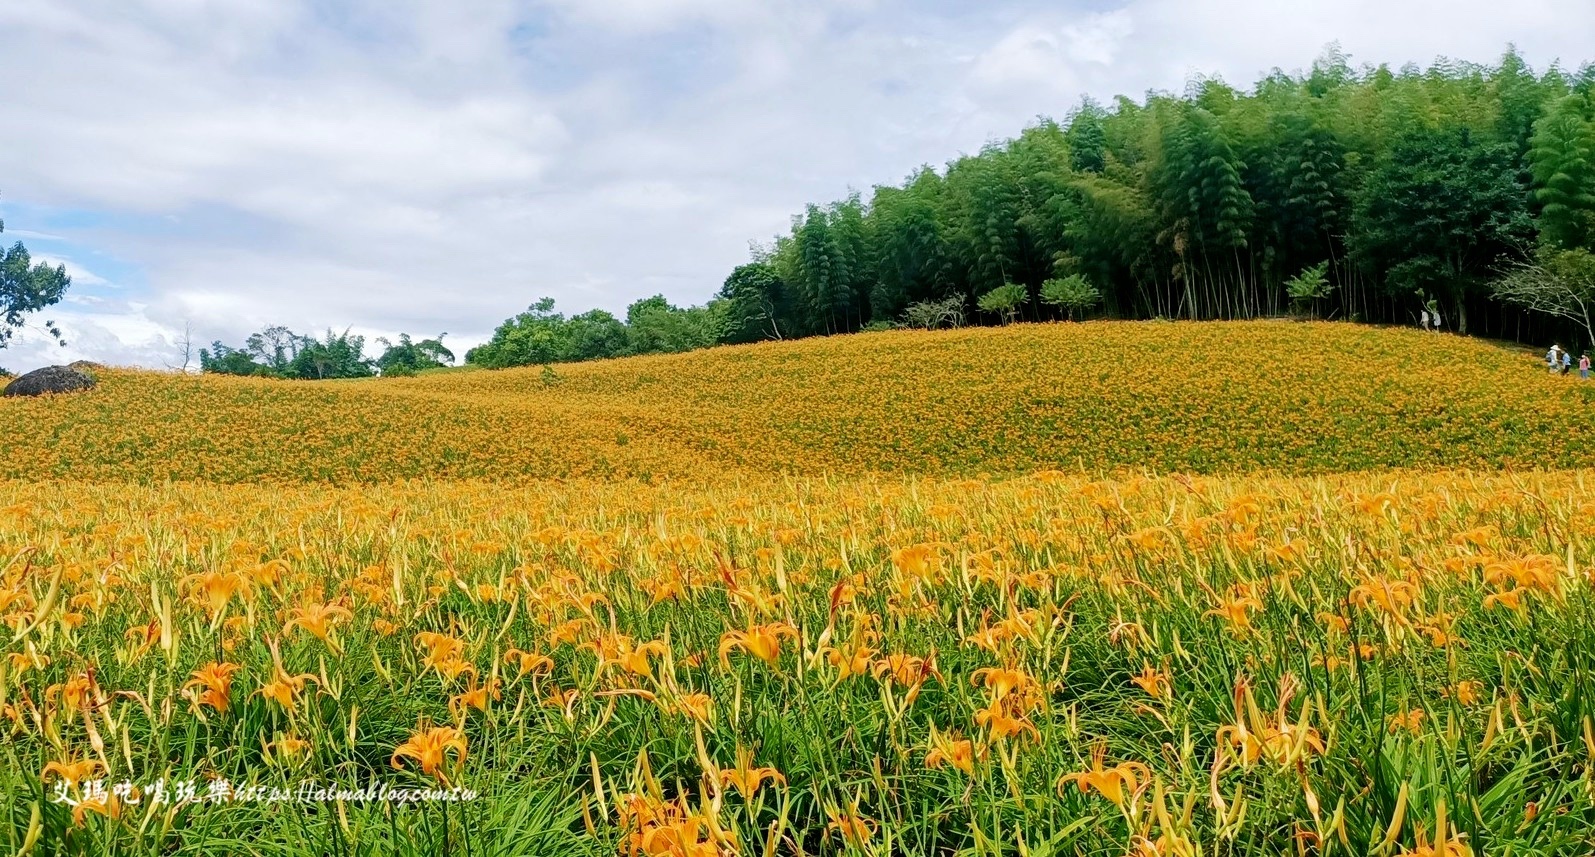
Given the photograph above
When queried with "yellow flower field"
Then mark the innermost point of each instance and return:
(1042, 664)
(907, 593)
(1189, 397)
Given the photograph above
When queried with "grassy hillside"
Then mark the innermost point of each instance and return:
(1198, 397)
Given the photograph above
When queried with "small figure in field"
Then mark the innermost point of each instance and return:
(1423, 320)
(1553, 358)
(1583, 366)
(1567, 362)
(1431, 315)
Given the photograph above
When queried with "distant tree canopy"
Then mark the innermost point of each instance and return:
(652, 325)
(1360, 193)
(1406, 185)
(407, 357)
(278, 352)
(26, 288)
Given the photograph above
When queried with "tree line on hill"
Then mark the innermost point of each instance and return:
(1369, 194)
(1366, 194)
(278, 352)
(538, 336)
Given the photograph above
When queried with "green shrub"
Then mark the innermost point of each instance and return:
(1005, 300)
(1309, 287)
(930, 315)
(1072, 294)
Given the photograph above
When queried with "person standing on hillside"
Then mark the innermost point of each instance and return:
(1583, 366)
(1553, 358)
(1423, 320)
(1567, 362)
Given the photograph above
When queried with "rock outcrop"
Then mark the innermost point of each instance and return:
(50, 379)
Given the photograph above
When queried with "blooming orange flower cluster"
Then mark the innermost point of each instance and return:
(839, 663)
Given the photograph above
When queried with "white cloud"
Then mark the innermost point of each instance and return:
(1053, 54)
(649, 15)
(406, 165)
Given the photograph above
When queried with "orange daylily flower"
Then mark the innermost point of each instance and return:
(1237, 612)
(529, 662)
(1112, 783)
(1465, 692)
(850, 661)
(1156, 683)
(475, 697)
(1411, 721)
(746, 778)
(621, 650)
(1003, 722)
(698, 706)
(948, 749)
(760, 641)
(318, 619)
(1252, 736)
(854, 828)
(216, 679)
(73, 772)
(212, 590)
(430, 748)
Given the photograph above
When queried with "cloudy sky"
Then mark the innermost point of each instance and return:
(404, 165)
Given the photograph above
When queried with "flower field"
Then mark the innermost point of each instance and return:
(1037, 665)
(890, 594)
(1216, 398)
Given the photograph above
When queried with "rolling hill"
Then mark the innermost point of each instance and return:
(1235, 397)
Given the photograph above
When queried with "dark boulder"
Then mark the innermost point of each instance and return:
(50, 379)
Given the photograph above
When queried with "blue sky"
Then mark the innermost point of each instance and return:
(403, 165)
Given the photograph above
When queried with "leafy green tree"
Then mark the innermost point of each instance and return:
(221, 360)
(1005, 300)
(407, 357)
(1439, 212)
(275, 347)
(1204, 206)
(911, 248)
(1520, 100)
(592, 335)
(654, 326)
(532, 337)
(279, 352)
(1088, 142)
(338, 355)
(1563, 161)
(755, 304)
(1559, 283)
(1315, 197)
(986, 211)
(26, 288)
(855, 243)
(824, 281)
(1072, 294)
(1309, 287)
(1111, 229)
